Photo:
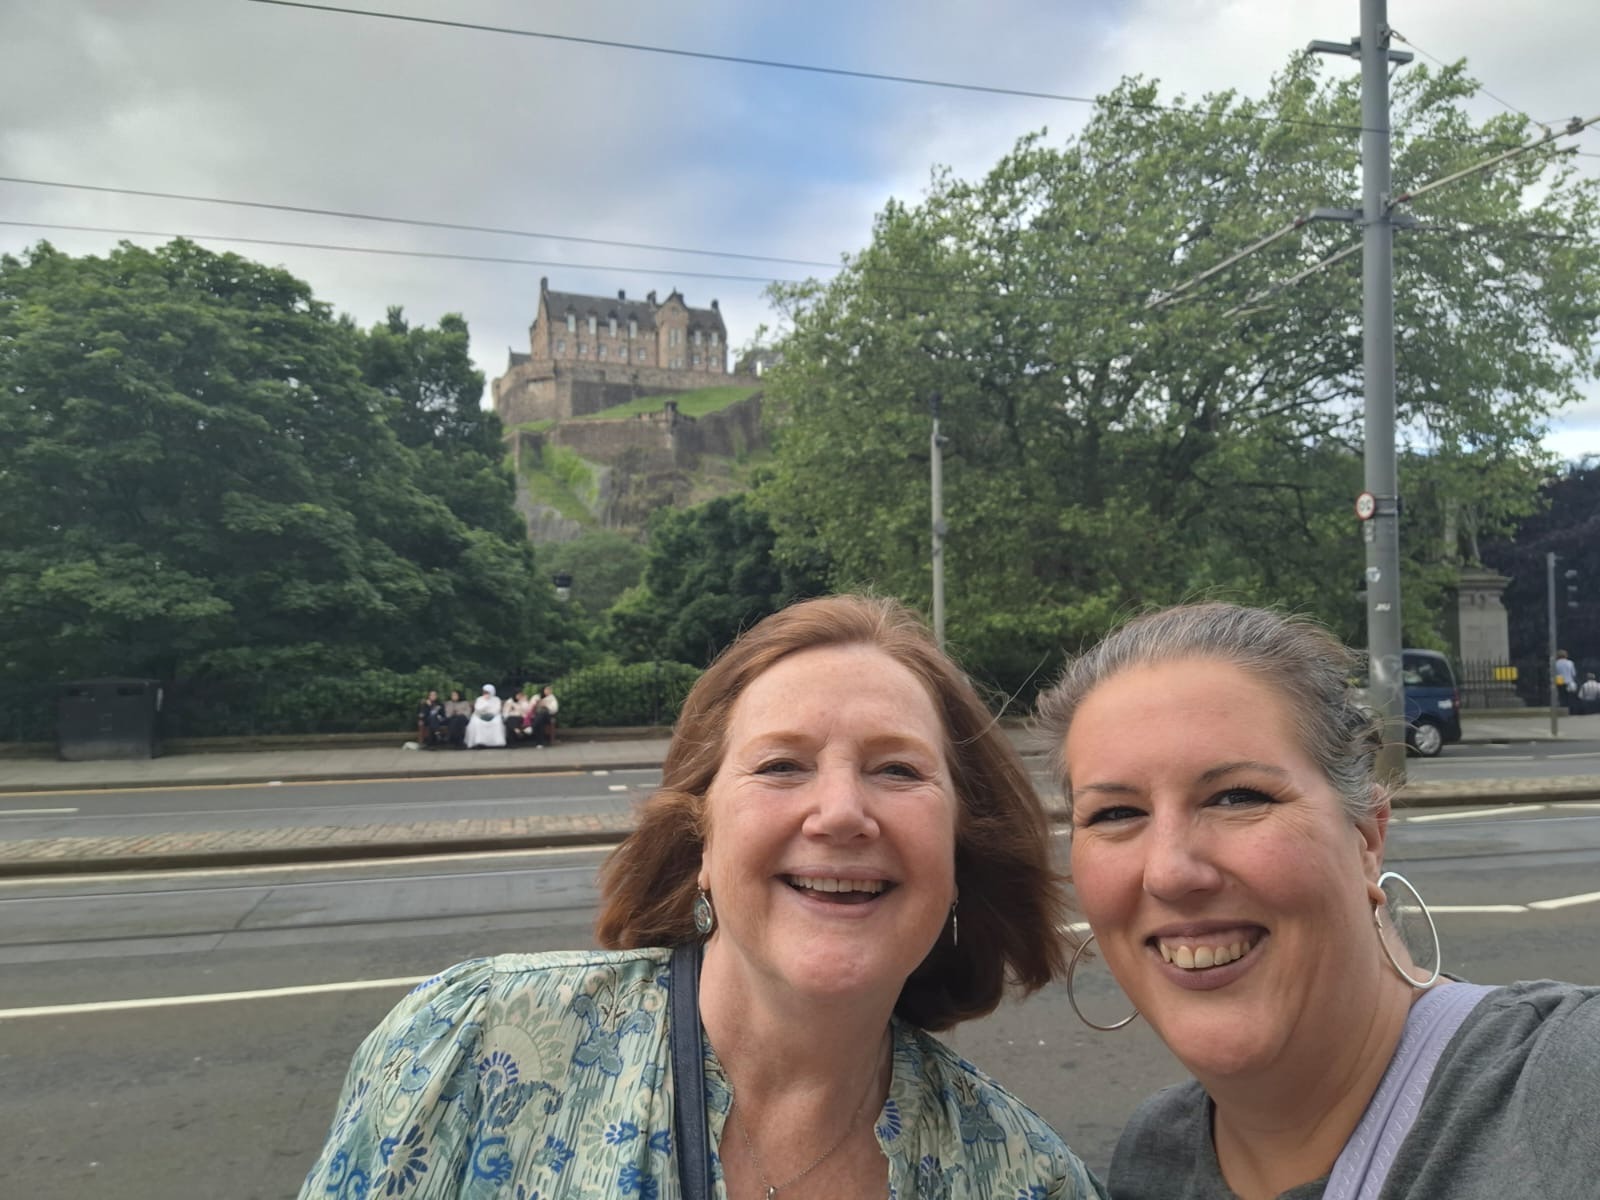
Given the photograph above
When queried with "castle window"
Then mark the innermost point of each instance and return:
(601, 352)
(561, 345)
(633, 327)
(697, 360)
(572, 323)
(613, 327)
(641, 354)
(714, 336)
(583, 349)
(696, 337)
(591, 324)
(673, 336)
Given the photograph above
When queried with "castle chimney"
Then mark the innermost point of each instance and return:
(715, 305)
(651, 297)
(544, 283)
(621, 295)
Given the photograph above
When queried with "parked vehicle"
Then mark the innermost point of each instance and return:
(1433, 702)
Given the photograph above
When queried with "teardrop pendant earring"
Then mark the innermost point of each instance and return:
(705, 917)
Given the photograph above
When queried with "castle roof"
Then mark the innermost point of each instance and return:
(624, 310)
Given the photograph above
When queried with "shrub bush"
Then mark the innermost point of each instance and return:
(648, 693)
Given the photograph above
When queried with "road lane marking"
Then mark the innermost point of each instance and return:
(1499, 811)
(278, 809)
(617, 787)
(1565, 901)
(126, 788)
(1575, 754)
(290, 869)
(33, 812)
(309, 989)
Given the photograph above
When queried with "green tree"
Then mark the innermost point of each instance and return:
(603, 564)
(1107, 452)
(1568, 524)
(202, 474)
(710, 574)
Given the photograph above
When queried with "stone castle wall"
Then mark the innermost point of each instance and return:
(546, 391)
(653, 442)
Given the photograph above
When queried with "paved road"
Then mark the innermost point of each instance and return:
(233, 1095)
(265, 806)
(107, 813)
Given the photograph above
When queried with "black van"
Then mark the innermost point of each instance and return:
(1433, 703)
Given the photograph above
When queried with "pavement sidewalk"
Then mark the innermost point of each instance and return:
(222, 769)
(602, 825)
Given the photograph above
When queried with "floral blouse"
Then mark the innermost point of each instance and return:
(537, 1076)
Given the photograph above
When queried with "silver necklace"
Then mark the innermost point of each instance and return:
(772, 1189)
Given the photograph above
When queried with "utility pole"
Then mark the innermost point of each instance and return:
(936, 464)
(1550, 588)
(1381, 533)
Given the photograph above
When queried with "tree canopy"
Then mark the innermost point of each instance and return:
(206, 472)
(1568, 525)
(709, 574)
(1110, 449)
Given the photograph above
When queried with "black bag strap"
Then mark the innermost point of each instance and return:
(689, 1075)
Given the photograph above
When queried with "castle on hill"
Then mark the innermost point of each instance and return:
(589, 353)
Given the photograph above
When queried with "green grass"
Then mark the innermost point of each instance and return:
(543, 426)
(690, 404)
(559, 482)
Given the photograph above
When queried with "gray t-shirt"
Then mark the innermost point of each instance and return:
(1512, 1110)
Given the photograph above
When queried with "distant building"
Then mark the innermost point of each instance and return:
(586, 353)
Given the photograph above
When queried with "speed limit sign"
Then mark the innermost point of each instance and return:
(1366, 506)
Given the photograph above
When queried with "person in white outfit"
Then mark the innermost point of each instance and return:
(487, 727)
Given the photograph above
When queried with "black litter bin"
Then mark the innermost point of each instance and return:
(108, 718)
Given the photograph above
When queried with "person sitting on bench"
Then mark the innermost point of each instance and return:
(486, 730)
(545, 708)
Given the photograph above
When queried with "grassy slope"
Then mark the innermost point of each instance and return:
(690, 404)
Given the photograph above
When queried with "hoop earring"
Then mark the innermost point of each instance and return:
(1073, 1000)
(1377, 923)
(705, 917)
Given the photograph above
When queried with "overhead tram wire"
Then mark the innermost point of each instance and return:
(419, 222)
(1439, 62)
(1126, 297)
(387, 252)
(1249, 303)
(455, 226)
(807, 68)
(1165, 298)
(1571, 129)
(1479, 87)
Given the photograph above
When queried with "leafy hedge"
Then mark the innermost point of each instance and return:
(649, 693)
(371, 701)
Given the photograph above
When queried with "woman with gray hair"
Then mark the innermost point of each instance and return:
(1227, 850)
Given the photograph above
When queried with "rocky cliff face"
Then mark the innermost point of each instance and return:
(632, 466)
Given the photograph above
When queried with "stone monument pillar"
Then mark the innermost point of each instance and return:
(1483, 641)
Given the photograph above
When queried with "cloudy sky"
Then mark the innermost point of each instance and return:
(249, 101)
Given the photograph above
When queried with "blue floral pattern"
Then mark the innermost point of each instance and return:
(544, 1077)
